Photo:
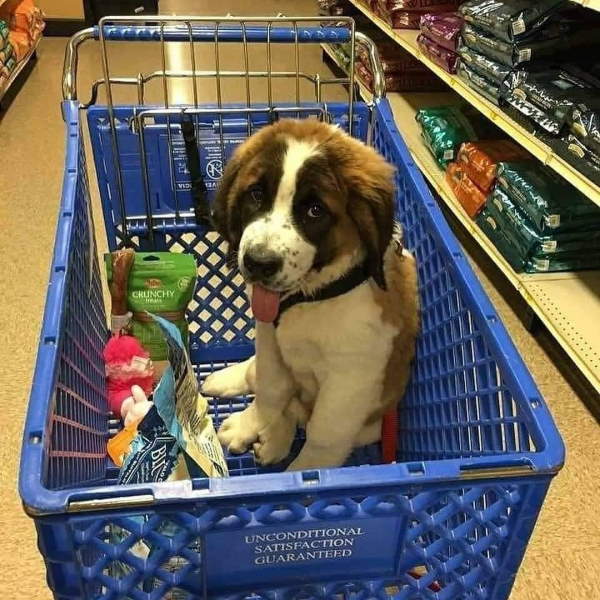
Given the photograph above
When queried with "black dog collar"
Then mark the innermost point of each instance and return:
(353, 278)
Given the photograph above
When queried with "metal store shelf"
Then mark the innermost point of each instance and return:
(408, 40)
(567, 303)
(591, 4)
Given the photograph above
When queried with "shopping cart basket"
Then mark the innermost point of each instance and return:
(477, 445)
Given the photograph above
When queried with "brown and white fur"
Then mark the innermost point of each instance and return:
(319, 202)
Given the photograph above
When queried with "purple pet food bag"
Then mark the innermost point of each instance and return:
(440, 56)
(443, 29)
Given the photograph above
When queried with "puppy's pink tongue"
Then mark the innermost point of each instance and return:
(265, 304)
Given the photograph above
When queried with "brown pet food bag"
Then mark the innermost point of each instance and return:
(471, 198)
(480, 160)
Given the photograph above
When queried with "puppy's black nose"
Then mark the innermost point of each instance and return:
(262, 264)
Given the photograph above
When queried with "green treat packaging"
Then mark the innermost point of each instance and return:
(161, 283)
(551, 203)
(444, 129)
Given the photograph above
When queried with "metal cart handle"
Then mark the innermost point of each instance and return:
(223, 32)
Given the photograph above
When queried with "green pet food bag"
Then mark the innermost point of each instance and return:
(551, 203)
(444, 129)
(161, 283)
(518, 228)
(492, 224)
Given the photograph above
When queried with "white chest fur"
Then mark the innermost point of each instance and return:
(338, 335)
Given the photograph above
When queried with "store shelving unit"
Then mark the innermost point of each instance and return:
(567, 303)
(408, 41)
(19, 68)
(364, 90)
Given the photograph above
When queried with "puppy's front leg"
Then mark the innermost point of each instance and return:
(236, 380)
(343, 405)
(274, 389)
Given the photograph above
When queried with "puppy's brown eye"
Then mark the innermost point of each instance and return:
(315, 210)
(255, 196)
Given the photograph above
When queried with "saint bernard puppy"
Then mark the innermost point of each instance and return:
(308, 212)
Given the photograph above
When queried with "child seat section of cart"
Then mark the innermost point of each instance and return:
(477, 447)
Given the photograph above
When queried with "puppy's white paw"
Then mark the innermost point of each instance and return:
(238, 431)
(275, 441)
(227, 383)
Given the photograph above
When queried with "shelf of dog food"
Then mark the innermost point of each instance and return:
(566, 302)
(365, 92)
(407, 39)
(18, 68)
(21, 26)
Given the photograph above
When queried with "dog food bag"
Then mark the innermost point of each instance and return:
(584, 122)
(443, 29)
(481, 85)
(510, 19)
(395, 17)
(402, 82)
(528, 240)
(493, 230)
(509, 54)
(162, 283)
(496, 231)
(555, 92)
(550, 202)
(407, 14)
(582, 157)
(444, 129)
(495, 72)
(467, 193)
(394, 59)
(533, 113)
(480, 159)
(432, 6)
(438, 54)
(406, 20)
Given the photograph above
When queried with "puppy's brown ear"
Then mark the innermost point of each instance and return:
(371, 207)
(224, 215)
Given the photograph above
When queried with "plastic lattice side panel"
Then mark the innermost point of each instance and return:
(219, 313)
(79, 416)
(456, 404)
(454, 544)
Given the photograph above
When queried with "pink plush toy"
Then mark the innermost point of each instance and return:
(127, 365)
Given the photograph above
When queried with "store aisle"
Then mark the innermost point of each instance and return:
(565, 551)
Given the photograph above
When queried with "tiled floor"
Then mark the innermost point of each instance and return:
(564, 555)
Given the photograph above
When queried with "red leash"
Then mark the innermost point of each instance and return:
(389, 436)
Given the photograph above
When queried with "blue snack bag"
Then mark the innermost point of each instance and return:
(153, 453)
(187, 418)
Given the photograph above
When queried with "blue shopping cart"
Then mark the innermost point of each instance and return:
(477, 445)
